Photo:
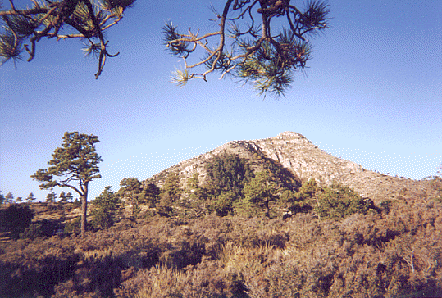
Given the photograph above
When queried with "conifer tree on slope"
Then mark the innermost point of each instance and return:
(31, 198)
(131, 187)
(9, 197)
(260, 191)
(73, 165)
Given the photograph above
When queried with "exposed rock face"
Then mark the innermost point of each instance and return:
(305, 160)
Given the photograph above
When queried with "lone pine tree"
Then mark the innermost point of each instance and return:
(73, 165)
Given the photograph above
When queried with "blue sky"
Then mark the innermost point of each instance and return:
(372, 94)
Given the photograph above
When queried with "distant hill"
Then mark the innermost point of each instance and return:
(296, 154)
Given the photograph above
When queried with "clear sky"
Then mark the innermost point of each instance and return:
(372, 94)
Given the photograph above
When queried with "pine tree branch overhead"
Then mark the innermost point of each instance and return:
(250, 45)
(23, 28)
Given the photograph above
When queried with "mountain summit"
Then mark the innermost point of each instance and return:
(296, 154)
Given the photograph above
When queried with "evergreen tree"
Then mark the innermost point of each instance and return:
(194, 201)
(260, 191)
(170, 194)
(2, 198)
(250, 43)
(83, 19)
(193, 183)
(296, 201)
(105, 207)
(51, 197)
(171, 188)
(151, 195)
(308, 189)
(69, 197)
(194, 190)
(131, 188)
(9, 197)
(75, 162)
(31, 198)
(227, 173)
(62, 197)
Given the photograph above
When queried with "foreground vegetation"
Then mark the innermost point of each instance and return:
(248, 231)
(393, 253)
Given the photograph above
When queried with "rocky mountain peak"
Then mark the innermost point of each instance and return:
(290, 135)
(304, 160)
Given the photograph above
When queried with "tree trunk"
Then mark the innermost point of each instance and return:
(84, 209)
(267, 209)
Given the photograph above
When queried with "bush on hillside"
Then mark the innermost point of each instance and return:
(223, 203)
(73, 226)
(15, 219)
(339, 201)
(43, 228)
(391, 254)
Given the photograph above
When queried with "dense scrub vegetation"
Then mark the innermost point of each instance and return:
(387, 254)
(15, 219)
(243, 235)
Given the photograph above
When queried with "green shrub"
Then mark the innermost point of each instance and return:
(296, 202)
(101, 219)
(165, 210)
(223, 204)
(105, 207)
(15, 219)
(339, 201)
(301, 201)
(73, 226)
(42, 228)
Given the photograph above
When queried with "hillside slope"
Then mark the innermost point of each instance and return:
(304, 160)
